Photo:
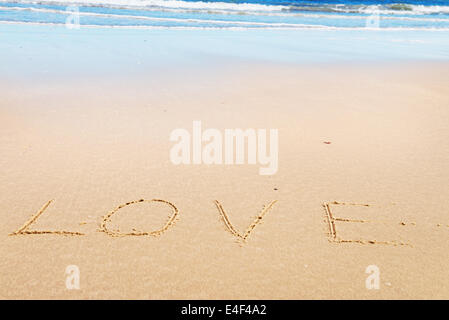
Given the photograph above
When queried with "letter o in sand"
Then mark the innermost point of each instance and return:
(107, 218)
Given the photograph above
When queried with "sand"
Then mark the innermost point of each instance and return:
(86, 180)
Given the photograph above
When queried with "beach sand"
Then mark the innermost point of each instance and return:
(363, 142)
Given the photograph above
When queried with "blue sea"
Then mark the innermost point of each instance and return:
(236, 14)
(56, 36)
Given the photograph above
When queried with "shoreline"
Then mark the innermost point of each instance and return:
(39, 53)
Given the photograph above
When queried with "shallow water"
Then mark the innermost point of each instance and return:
(29, 50)
(328, 14)
(140, 36)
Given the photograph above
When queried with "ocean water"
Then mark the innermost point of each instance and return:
(42, 38)
(432, 15)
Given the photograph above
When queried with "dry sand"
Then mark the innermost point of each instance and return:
(91, 147)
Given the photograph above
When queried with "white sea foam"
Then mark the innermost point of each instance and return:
(305, 15)
(176, 4)
(250, 8)
(186, 20)
(298, 27)
(411, 9)
(210, 19)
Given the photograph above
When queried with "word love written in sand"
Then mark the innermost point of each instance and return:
(25, 229)
(330, 219)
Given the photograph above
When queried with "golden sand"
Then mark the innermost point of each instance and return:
(362, 181)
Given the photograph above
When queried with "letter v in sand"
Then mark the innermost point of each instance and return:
(251, 227)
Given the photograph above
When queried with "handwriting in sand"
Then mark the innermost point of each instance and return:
(330, 219)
